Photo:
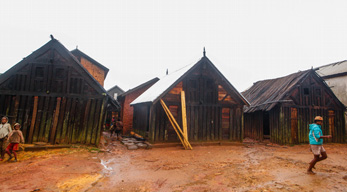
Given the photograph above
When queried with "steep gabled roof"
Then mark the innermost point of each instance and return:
(61, 49)
(150, 82)
(76, 52)
(165, 84)
(116, 87)
(266, 94)
(333, 69)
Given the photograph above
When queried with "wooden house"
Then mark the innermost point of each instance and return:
(213, 106)
(126, 98)
(335, 75)
(115, 91)
(281, 109)
(54, 97)
(98, 71)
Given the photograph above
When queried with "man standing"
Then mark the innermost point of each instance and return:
(316, 142)
(5, 129)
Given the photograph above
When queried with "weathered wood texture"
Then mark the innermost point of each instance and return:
(288, 121)
(60, 126)
(53, 97)
(214, 113)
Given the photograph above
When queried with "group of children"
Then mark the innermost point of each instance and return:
(10, 139)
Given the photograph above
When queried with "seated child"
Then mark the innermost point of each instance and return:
(15, 137)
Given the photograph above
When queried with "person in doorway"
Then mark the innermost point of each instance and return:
(5, 129)
(15, 137)
(112, 126)
(316, 142)
(119, 128)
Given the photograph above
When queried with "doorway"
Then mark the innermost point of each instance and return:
(266, 125)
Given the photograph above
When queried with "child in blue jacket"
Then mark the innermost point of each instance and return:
(316, 142)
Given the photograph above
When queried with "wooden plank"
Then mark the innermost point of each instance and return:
(208, 123)
(96, 121)
(152, 118)
(33, 119)
(26, 126)
(101, 120)
(71, 124)
(55, 121)
(76, 126)
(59, 128)
(38, 119)
(64, 135)
(84, 127)
(16, 107)
(90, 122)
(232, 130)
(184, 115)
(23, 101)
(49, 118)
(157, 123)
(41, 136)
(196, 123)
(176, 127)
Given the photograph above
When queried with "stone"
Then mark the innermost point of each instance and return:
(132, 147)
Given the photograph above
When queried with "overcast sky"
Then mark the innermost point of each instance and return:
(248, 40)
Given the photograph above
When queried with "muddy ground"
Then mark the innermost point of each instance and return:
(248, 167)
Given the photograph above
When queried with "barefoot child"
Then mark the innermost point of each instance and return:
(15, 137)
(316, 142)
(5, 129)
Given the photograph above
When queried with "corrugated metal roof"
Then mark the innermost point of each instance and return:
(332, 69)
(266, 94)
(161, 86)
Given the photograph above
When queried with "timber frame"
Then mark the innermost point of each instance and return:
(282, 109)
(54, 97)
(213, 106)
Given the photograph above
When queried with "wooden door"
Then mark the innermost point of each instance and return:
(294, 125)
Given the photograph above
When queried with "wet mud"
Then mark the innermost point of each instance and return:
(253, 167)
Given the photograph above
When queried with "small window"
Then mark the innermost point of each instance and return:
(306, 91)
(115, 95)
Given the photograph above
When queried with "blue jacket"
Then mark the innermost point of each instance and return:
(315, 134)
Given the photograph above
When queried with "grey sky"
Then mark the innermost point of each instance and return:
(138, 40)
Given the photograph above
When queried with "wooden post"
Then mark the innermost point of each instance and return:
(101, 121)
(55, 120)
(33, 118)
(176, 127)
(184, 114)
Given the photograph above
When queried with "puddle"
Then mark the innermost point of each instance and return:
(104, 164)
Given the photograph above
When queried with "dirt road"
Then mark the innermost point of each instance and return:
(253, 167)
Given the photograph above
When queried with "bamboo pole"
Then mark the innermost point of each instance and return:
(174, 123)
(184, 114)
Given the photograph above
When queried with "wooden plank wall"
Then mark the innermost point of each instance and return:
(55, 119)
(204, 123)
(254, 125)
(280, 125)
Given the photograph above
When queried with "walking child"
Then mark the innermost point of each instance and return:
(316, 142)
(15, 137)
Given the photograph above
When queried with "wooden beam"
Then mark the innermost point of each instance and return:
(55, 120)
(184, 114)
(176, 127)
(33, 118)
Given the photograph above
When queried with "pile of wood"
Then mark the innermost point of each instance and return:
(133, 144)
